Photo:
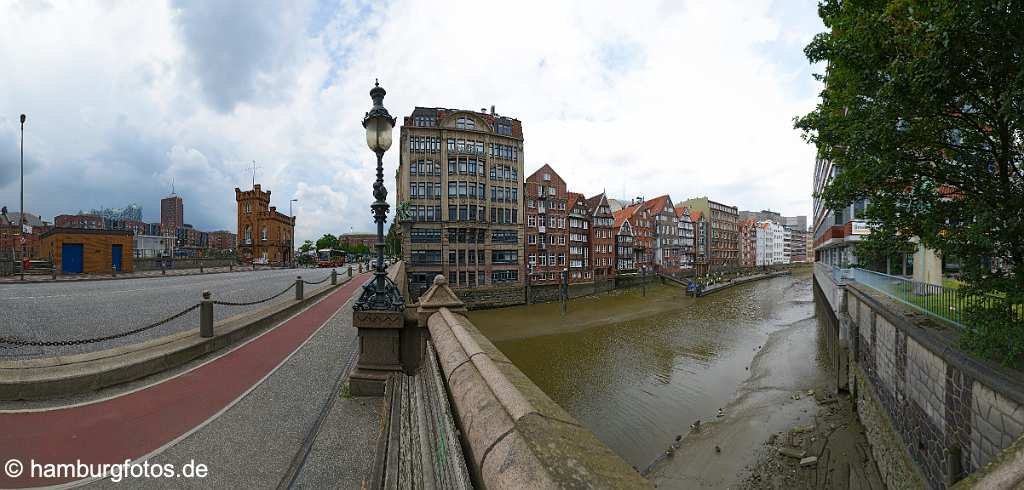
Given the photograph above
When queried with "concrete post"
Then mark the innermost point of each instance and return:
(350, 272)
(53, 269)
(206, 316)
(334, 277)
(298, 288)
(113, 270)
(163, 267)
(231, 266)
(200, 266)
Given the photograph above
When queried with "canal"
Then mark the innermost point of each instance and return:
(638, 371)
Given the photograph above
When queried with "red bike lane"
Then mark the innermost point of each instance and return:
(135, 424)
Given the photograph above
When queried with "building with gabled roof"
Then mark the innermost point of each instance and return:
(578, 232)
(602, 236)
(625, 244)
(547, 246)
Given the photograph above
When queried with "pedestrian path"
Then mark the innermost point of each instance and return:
(244, 415)
(47, 278)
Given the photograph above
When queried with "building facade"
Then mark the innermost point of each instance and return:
(458, 183)
(723, 235)
(580, 266)
(172, 213)
(687, 240)
(547, 245)
(264, 234)
(835, 231)
(353, 239)
(625, 246)
(222, 240)
(665, 229)
(602, 236)
(77, 250)
(748, 243)
(770, 243)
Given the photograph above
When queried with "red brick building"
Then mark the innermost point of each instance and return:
(353, 239)
(625, 243)
(602, 236)
(578, 216)
(264, 234)
(748, 243)
(172, 213)
(10, 235)
(546, 238)
(222, 240)
(79, 221)
(642, 223)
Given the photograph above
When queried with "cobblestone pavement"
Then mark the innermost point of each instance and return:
(88, 309)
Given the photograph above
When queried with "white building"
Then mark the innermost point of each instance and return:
(770, 244)
(153, 246)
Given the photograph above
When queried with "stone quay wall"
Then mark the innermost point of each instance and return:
(934, 415)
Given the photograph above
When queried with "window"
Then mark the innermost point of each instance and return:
(419, 235)
(465, 123)
(248, 233)
(263, 233)
(504, 236)
(531, 239)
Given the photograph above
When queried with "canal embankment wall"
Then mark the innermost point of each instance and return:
(935, 416)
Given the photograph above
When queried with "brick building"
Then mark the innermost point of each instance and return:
(546, 225)
(602, 236)
(11, 235)
(641, 222)
(723, 250)
(459, 177)
(264, 234)
(578, 232)
(77, 250)
(748, 243)
(172, 213)
(353, 239)
(665, 229)
(700, 240)
(222, 240)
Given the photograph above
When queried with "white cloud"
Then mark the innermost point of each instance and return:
(687, 98)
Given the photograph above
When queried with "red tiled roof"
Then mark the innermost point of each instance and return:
(657, 204)
(574, 197)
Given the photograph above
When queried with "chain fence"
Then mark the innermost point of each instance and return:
(55, 343)
(250, 303)
(317, 282)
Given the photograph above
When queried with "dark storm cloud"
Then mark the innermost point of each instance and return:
(239, 49)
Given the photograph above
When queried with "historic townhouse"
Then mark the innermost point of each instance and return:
(665, 228)
(602, 236)
(687, 241)
(642, 223)
(723, 250)
(748, 243)
(547, 246)
(625, 245)
(459, 178)
(580, 266)
(700, 240)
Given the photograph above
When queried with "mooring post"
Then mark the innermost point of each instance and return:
(334, 277)
(298, 288)
(206, 316)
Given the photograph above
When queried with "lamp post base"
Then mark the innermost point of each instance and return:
(379, 350)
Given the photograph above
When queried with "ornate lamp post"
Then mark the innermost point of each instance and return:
(381, 293)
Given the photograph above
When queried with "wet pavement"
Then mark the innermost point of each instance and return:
(638, 371)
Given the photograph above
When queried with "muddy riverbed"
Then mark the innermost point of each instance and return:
(639, 371)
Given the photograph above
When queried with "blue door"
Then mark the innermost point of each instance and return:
(71, 258)
(115, 257)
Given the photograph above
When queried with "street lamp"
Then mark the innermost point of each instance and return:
(292, 242)
(381, 293)
(21, 216)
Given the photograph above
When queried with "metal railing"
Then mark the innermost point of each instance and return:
(938, 301)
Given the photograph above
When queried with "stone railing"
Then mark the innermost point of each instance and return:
(934, 415)
(513, 435)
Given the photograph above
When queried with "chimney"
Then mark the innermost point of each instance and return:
(483, 110)
(492, 109)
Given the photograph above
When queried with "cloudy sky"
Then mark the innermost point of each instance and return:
(644, 98)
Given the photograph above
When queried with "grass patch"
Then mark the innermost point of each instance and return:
(346, 391)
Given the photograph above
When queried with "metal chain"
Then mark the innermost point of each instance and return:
(318, 282)
(250, 303)
(55, 343)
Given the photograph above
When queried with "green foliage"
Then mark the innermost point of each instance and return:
(393, 242)
(307, 246)
(327, 241)
(996, 333)
(923, 115)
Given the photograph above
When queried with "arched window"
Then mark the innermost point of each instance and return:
(263, 233)
(248, 233)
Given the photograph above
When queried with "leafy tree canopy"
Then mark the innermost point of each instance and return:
(922, 114)
(327, 241)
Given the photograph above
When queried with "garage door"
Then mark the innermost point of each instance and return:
(71, 258)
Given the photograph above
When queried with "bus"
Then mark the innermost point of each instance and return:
(330, 258)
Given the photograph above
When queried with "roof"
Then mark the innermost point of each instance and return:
(595, 202)
(536, 173)
(620, 216)
(30, 219)
(616, 204)
(658, 203)
(574, 198)
(442, 113)
(85, 231)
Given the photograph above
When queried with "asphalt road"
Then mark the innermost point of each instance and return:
(90, 309)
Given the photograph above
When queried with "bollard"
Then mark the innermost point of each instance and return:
(113, 271)
(334, 277)
(350, 272)
(206, 316)
(163, 268)
(200, 267)
(298, 288)
(231, 266)
(53, 272)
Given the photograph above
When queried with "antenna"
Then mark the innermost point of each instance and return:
(254, 167)
(172, 186)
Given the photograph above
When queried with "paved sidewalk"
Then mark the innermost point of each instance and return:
(253, 443)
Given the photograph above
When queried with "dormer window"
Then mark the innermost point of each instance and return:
(465, 123)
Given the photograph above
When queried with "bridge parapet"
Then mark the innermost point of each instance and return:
(513, 435)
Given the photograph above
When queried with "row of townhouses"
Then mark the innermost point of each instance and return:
(470, 213)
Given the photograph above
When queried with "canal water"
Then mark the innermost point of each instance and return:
(637, 371)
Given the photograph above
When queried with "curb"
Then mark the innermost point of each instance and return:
(56, 377)
(121, 278)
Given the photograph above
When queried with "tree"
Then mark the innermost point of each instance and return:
(922, 113)
(394, 243)
(307, 247)
(327, 241)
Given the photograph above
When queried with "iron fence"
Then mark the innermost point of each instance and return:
(935, 300)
